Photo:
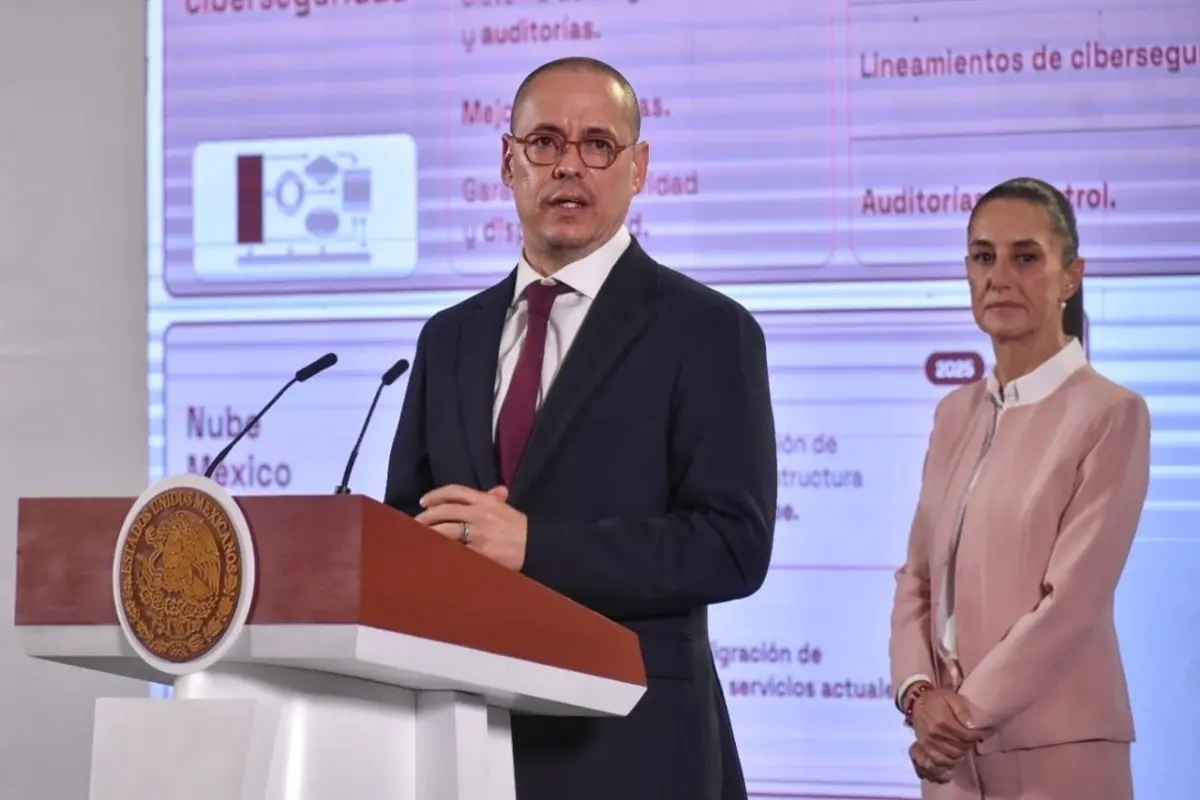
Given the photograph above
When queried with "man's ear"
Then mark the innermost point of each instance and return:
(641, 166)
(506, 161)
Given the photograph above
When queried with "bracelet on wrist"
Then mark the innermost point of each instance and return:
(914, 694)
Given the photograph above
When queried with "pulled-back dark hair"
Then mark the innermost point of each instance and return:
(1062, 220)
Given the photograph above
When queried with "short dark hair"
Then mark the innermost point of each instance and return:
(1062, 222)
(583, 64)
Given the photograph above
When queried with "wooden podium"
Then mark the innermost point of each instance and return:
(377, 659)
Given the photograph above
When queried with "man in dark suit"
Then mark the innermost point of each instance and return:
(643, 486)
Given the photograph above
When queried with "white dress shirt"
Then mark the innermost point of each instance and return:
(1032, 388)
(585, 277)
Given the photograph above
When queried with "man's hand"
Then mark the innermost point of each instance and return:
(926, 765)
(944, 729)
(496, 530)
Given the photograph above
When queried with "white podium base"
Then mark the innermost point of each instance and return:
(239, 732)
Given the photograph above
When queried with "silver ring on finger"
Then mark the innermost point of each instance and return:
(464, 533)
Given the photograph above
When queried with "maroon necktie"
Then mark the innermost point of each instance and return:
(520, 403)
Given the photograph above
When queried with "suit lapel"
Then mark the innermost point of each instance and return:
(966, 460)
(479, 348)
(617, 317)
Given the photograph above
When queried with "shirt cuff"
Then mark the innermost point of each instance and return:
(909, 681)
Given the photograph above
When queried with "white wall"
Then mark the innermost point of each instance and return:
(72, 329)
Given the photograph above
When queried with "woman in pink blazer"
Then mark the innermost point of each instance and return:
(1003, 646)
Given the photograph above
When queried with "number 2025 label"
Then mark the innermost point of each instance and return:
(951, 369)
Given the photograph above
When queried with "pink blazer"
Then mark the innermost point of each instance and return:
(1049, 503)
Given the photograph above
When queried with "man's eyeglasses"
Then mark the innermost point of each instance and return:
(546, 149)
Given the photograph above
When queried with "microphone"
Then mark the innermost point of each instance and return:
(389, 377)
(304, 373)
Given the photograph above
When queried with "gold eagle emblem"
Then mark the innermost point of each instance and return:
(180, 575)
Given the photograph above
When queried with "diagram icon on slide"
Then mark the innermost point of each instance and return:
(297, 209)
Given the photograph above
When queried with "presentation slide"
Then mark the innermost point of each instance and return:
(302, 445)
(349, 146)
(325, 176)
(946, 99)
(324, 104)
(804, 662)
(854, 394)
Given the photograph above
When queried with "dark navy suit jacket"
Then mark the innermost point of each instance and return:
(649, 484)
